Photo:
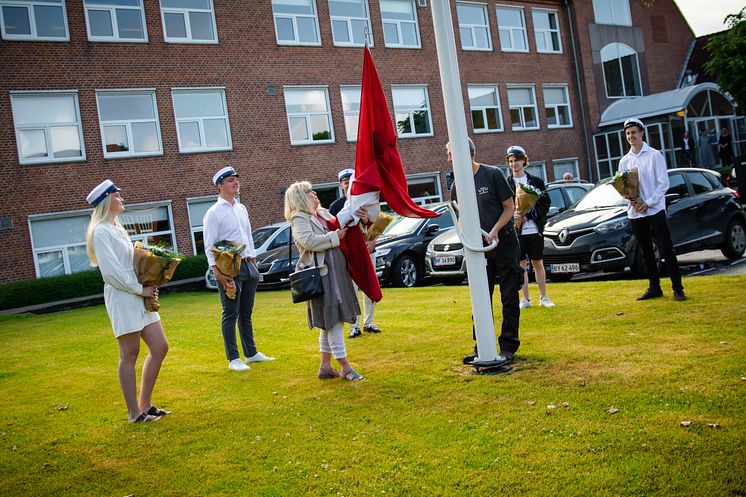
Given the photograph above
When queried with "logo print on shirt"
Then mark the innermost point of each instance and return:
(483, 190)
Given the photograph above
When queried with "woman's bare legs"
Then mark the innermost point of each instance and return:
(155, 338)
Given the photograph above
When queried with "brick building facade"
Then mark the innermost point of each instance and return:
(234, 83)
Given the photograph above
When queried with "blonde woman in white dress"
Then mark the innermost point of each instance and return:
(110, 248)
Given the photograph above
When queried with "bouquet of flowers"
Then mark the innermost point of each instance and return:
(380, 224)
(525, 199)
(154, 265)
(228, 261)
(627, 184)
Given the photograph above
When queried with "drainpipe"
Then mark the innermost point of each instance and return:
(578, 81)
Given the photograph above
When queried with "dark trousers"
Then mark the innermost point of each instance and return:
(509, 277)
(240, 309)
(656, 226)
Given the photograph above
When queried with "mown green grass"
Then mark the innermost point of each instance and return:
(420, 424)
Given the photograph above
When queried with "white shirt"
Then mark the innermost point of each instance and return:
(226, 221)
(124, 303)
(529, 225)
(651, 169)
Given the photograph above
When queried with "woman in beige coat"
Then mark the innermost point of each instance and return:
(319, 246)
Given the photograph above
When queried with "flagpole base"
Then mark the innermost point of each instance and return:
(491, 367)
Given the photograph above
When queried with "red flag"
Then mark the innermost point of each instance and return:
(359, 263)
(378, 166)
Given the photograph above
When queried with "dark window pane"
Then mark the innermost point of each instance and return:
(50, 21)
(175, 25)
(100, 21)
(16, 20)
(613, 77)
(201, 24)
(478, 118)
(130, 24)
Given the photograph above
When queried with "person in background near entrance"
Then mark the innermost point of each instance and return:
(724, 150)
(110, 248)
(496, 205)
(687, 148)
(706, 159)
(647, 213)
(228, 219)
(319, 247)
(530, 233)
(369, 308)
(567, 177)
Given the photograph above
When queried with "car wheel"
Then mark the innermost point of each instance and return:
(404, 271)
(735, 240)
(560, 277)
(639, 268)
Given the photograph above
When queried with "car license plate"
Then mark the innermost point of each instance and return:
(571, 267)
(444, 260)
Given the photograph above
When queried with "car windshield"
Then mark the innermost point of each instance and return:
(600, 197)
(401, 225)
(262, 234)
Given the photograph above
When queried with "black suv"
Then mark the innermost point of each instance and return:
(595, 233)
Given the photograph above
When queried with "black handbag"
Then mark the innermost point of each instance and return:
(306, 283)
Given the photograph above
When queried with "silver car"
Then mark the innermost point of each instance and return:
(444, 259)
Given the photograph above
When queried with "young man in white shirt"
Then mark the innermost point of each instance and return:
(228, 219)
(647, 213)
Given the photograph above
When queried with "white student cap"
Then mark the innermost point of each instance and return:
(632, 121)
(102, 191)
(345, 173)
(515, 150)
(222, 174)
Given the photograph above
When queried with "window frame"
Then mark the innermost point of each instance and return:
(348, 20)
(471, 27)
(511, 29)
(570, 160)
(307, 115)
(532, 88)
(615, 21)
(398, 23)
(542, 164)
(29, 5)
(128, 123)
(194, 229)
(143, 237)
(413, 134)
(294, 20)
(566, 90)
(349, 113)
(188, 24)
(200, 120)
(483, 109)
(626, 94)
(112, 12)
(62, 247)
(47, 127)
(547, 32)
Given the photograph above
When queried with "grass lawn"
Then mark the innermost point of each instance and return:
(420, 424)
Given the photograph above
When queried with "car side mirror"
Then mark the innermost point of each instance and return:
(671, 198)
(432, 229)
(553, 211)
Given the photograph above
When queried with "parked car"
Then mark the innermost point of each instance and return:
(265, 238)
(275, 266)
(565, 193)
(400, 250)
(595, 233)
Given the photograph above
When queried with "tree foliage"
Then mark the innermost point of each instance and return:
(728, 58)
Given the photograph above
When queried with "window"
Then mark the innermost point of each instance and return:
(349, 20)
(411, 111)
(523, 114)
(546, 29)
(34, 20)
(129, 123)
(560, 167)
(699, 182)
(149, 224)
(351, 108)
(677, 185)
(484, 102)
(512, 28)
(296, 22)
(197, 207)
(400, 28)
(201, 120)
(115, 20)
(425, 189)
(473, 26)
(188, 21)
(621, 71)
(537, 169)
(58, 243)
(557, 105)
(612, 12)
(47, 127)
(610, 147)
(309, 117)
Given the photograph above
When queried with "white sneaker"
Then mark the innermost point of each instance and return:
(259, 357)
(238, 365)
(525, 303)
(545, 302)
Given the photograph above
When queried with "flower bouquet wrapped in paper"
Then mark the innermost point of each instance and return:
(154, 265)
(228, 261)
(379, 224)
(627, 184)
(525, 199)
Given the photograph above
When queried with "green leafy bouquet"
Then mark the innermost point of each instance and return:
(627, 184)
(154, 265)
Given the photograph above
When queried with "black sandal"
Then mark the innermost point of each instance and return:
(155, 411)
(145, 418)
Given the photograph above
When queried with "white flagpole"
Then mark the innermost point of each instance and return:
(456, 121)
